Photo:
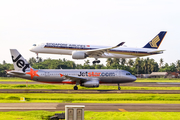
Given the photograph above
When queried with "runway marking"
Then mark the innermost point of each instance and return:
(122, 110)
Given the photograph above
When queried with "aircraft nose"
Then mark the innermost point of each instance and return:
(33, 49)
(133, 78)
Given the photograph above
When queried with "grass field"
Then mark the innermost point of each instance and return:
(65, 86)
(89, 115)
(90, 98)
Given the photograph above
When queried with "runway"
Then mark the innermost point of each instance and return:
(142, 84)
(71, 91)
(91, 107)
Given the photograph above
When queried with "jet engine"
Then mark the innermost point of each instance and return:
(91, 83)
(78, 55)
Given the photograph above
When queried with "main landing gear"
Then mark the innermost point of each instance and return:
(75, 87)
(96, 61)
(119, 88)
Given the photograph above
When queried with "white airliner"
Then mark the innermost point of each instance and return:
(84, 77)
(79, 51)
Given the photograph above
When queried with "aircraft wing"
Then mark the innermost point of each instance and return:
(74, 78)
(99, 52)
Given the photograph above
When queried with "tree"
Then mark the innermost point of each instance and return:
(109, 61)
(172, 67)
(178, 65)
(137, 65)
(145, 66)
(130, 62)
(4, 62)
(148, 65)
(161, 63)
(116, 61)
(152, 65)
(32, 61)
(64, 60)
(122, 61)
(86, 62)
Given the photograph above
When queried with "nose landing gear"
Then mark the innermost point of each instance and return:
(119, 88)
(37, 58)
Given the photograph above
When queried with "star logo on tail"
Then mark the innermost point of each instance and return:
(32, 73)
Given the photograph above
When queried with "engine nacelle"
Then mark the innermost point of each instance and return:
(78, 55)
(92, 83)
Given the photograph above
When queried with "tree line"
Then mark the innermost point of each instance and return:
(136, 66)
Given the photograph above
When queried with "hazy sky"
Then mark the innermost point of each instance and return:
(97, 22)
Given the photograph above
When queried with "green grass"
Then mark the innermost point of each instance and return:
(65, 86)
(90, 115)
(91, 98)
(13, 79)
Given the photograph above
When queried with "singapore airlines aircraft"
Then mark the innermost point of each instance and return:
(79, 51)
(84, 77)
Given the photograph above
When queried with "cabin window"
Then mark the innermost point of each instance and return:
(128, 73)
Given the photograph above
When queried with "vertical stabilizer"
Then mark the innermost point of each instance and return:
(20, 64)
(156, 41)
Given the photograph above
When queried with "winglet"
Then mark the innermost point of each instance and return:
(156, 41)
(120, 44)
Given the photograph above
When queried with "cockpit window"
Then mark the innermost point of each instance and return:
(128, 73)
(34, 44)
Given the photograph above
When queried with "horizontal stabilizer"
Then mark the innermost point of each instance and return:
(156, 51)
(16, 72)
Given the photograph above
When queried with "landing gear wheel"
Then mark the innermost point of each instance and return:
(37, 58)
(75, 88)
(119, 88)
(96, 61)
